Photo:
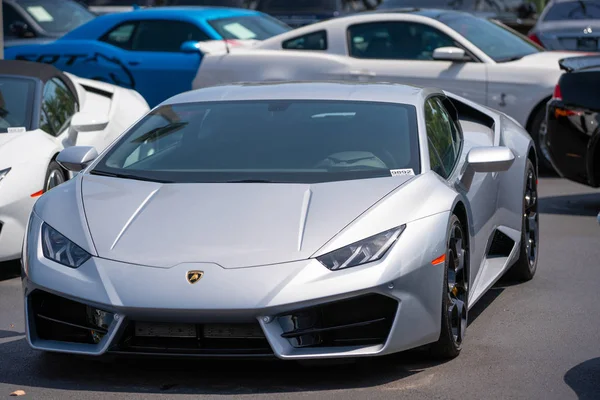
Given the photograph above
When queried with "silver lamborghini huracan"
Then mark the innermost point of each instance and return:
(296, 220)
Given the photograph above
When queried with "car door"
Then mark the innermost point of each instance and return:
(58, 107)
(402, 51)
(154, 58)
(448, 146)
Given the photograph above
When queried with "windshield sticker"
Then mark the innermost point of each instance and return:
(40, 14)
(16, 129)
(239, 31)
(400, 172)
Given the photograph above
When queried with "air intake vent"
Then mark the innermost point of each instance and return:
(364, 320)
(501, 245)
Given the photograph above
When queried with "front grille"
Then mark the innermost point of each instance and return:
(364, 320)
(194, 339)
(64, 320)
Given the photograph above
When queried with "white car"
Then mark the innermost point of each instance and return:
(470, 56)
(42, 111)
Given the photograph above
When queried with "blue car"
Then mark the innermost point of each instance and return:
(149, 50)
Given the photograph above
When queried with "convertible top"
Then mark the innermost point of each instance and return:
(41, 71)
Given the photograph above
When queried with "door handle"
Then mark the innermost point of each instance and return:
(133, 63)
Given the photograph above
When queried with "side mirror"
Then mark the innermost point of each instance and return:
(189, 46)
(486, 159)
(450, 54)
(76, 158)
(20, 29)
(490, 159)
(88, 122)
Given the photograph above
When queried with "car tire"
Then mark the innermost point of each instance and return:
(525, 267)
(54, 176)
(454, 295)
(538, 134)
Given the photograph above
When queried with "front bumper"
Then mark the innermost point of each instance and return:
(301, 309)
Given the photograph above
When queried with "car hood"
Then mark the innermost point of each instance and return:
(234, 225)
(7, 137)
(545, 59)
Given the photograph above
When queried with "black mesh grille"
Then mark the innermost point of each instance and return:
(60, 319)
(501, 245)
(364, 320)
(200, 344)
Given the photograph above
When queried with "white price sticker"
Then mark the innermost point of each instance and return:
(400, 172)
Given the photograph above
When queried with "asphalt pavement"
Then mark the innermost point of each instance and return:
(538, 340)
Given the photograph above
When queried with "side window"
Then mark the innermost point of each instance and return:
(58, 106)
(311, 41)
(395, 41)
(444, 138)
(9, 17)
(165, 36)
(120, 36)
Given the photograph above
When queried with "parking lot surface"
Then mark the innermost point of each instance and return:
(537, 340)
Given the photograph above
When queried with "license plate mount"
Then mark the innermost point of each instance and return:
(155, 329)
(587, 44)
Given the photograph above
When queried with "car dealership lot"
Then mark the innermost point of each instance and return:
(535, 340)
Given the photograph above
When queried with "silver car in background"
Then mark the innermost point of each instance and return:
(296, 220)
(568, 25)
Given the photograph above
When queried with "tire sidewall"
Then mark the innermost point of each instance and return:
(53, 166)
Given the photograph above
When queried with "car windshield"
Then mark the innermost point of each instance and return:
(57, 16)
(495, 40)
(573, 10)
(267, 141)
(16, 104)
(302, 6)
(469, 5)
(255, 27)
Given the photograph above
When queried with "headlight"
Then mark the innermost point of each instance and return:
(3, 173)
(361, 252)
(58, 248)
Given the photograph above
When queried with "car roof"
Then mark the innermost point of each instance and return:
(29, 69)
(103, 23)
(344, 91)
(435, 13)
(41, 71)
(193, 12)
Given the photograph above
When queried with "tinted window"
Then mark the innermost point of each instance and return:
(165, 36)
(58, 106)
(395, 41)
(494, 40)
(573, 10)
(444, 138)
(220, 3)
(57, 16)
(9, 17)
(16, 103)
(257, 27)
(287, 6)
(312, 41)
(277, 141)
(121, 35)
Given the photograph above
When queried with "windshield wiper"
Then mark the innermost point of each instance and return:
(250, 181)
(127, 176)
(508, 59)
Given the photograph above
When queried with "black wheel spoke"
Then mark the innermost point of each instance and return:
(457, 284)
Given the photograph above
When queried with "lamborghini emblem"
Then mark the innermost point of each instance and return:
(194, 276)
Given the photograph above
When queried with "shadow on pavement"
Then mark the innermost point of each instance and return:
(577, 204)
(29, 368)
(10, 269)
(584, 379)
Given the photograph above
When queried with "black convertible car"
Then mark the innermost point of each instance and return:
(573, 116)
